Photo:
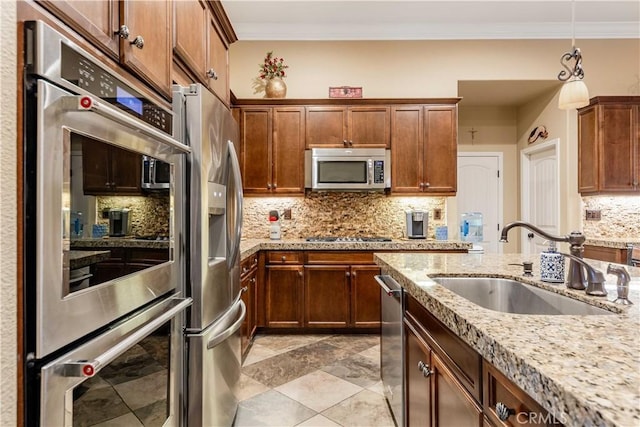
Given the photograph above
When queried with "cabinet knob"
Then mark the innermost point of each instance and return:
(421, 184)
(300, 273)
(138, 42)
(284, 258)
(353, 274)
(348, 274)
(275, 186)
(211, 73)
(123, 32)
(503, 411)
(269, 186)
(426, 184)
(350, 143)
(424, 368)
(345, 142)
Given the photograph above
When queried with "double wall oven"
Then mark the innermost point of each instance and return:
(110, 351)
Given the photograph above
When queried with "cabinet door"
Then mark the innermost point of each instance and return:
(369, 127)
(452, 405)
(97, 21)
(288, 149)
(150, 20)
(588, 150)
(440, 149)
(284, 296)
(417, 385)
(190, 28)
(617, 145)
(217, 68)
(247, 297)
(96, 167)
(326, 127)
(255, 159)
(326, 296)
(126, 171)
(365, 297)
(406, 149)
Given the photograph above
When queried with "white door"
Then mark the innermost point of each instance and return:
(540, 192)
(479, 190)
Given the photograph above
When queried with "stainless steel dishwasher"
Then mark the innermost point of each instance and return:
(391, 354)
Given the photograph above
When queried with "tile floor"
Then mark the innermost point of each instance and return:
(313, 380)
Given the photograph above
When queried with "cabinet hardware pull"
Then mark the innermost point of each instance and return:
(300, 273)
(269, 186)
(284, 258)
(346, 144)
(275, 186)
(426, 184)
(350, 143)
(348, 274)
(503, 411)
(138, 42)
(354, 274)
(421, 184)
(211, 73)
(424, 368)
(123, 32)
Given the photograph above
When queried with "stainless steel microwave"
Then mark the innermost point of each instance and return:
(156, 174)
(348, 169)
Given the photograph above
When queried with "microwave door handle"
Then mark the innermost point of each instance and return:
(370, 169)
(152, 171)
(85, 103)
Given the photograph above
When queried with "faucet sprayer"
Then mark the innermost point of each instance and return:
(576, 276)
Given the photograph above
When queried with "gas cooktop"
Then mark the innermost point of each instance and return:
(348, 239)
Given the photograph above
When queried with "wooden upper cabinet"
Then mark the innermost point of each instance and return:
(609, 146)
(356, 126)
(147, 50)
(424, 149)
(272, 149)
(217, 66)
(189, 42)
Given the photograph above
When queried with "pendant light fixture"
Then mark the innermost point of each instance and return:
(574, 93)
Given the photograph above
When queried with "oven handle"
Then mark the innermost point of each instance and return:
(88, 368)
(91, 104)
(222, 336)
(391, 292)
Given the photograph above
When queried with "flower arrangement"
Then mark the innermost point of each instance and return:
(272, 67)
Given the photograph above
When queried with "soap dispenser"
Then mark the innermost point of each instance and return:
(551, 265)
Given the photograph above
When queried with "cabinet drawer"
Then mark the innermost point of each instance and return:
(248, 264)
(285, 257)
(523, 409)
(339, 257)
(465, 362)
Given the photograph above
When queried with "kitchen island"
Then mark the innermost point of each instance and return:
(585, 370)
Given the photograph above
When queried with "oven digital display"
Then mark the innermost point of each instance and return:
(126, 99)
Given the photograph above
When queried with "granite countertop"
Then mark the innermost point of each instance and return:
(118, 242)
(613, 242)
(583, 369)
(79, 259)
(250, 247)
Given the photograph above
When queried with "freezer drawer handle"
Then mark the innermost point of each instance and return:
(229, 331)
(88, 368)
(391, 292)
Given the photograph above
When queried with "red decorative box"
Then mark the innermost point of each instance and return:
(345, 92)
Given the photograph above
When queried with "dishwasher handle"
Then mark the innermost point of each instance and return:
(382, 280)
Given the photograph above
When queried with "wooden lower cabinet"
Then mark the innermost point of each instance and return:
(365, 296)
(326, 296)
(284, 296)
(417, 385)
(602, 253)
(249, 283)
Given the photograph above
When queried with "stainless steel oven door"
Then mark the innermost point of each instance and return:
(63, 313)
(130, 375)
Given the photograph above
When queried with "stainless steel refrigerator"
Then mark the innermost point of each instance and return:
(213, 229)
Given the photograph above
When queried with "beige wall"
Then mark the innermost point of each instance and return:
(8, 202)
(431, 68)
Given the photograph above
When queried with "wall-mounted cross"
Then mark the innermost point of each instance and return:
(473, 134)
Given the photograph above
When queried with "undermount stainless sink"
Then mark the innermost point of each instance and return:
(510, 296)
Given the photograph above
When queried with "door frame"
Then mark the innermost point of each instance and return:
(500, 156)
(525, 195)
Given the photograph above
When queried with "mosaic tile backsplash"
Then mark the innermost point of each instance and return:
(149, 215)
(620, 217)
(338, 214)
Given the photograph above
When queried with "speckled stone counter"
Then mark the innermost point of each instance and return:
(250, 247)
(610, 242)
(119, 242)
(583, 369)
(79, 259)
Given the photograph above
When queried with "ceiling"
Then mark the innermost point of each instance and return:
(431, 19)
(440, 20)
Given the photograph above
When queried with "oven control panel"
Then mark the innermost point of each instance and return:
(87, 75)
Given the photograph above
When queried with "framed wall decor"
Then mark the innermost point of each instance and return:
(345, 92)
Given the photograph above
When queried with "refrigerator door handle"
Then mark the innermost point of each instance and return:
(235, 169)
(222, 336)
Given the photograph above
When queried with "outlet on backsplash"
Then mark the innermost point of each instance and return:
(287, 213)
(437, 214)
(593, 215)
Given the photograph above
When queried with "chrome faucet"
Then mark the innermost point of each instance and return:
(622, 284)
(595, 278)
(575, 277)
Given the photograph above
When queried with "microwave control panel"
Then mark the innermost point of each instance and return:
(378, 171)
